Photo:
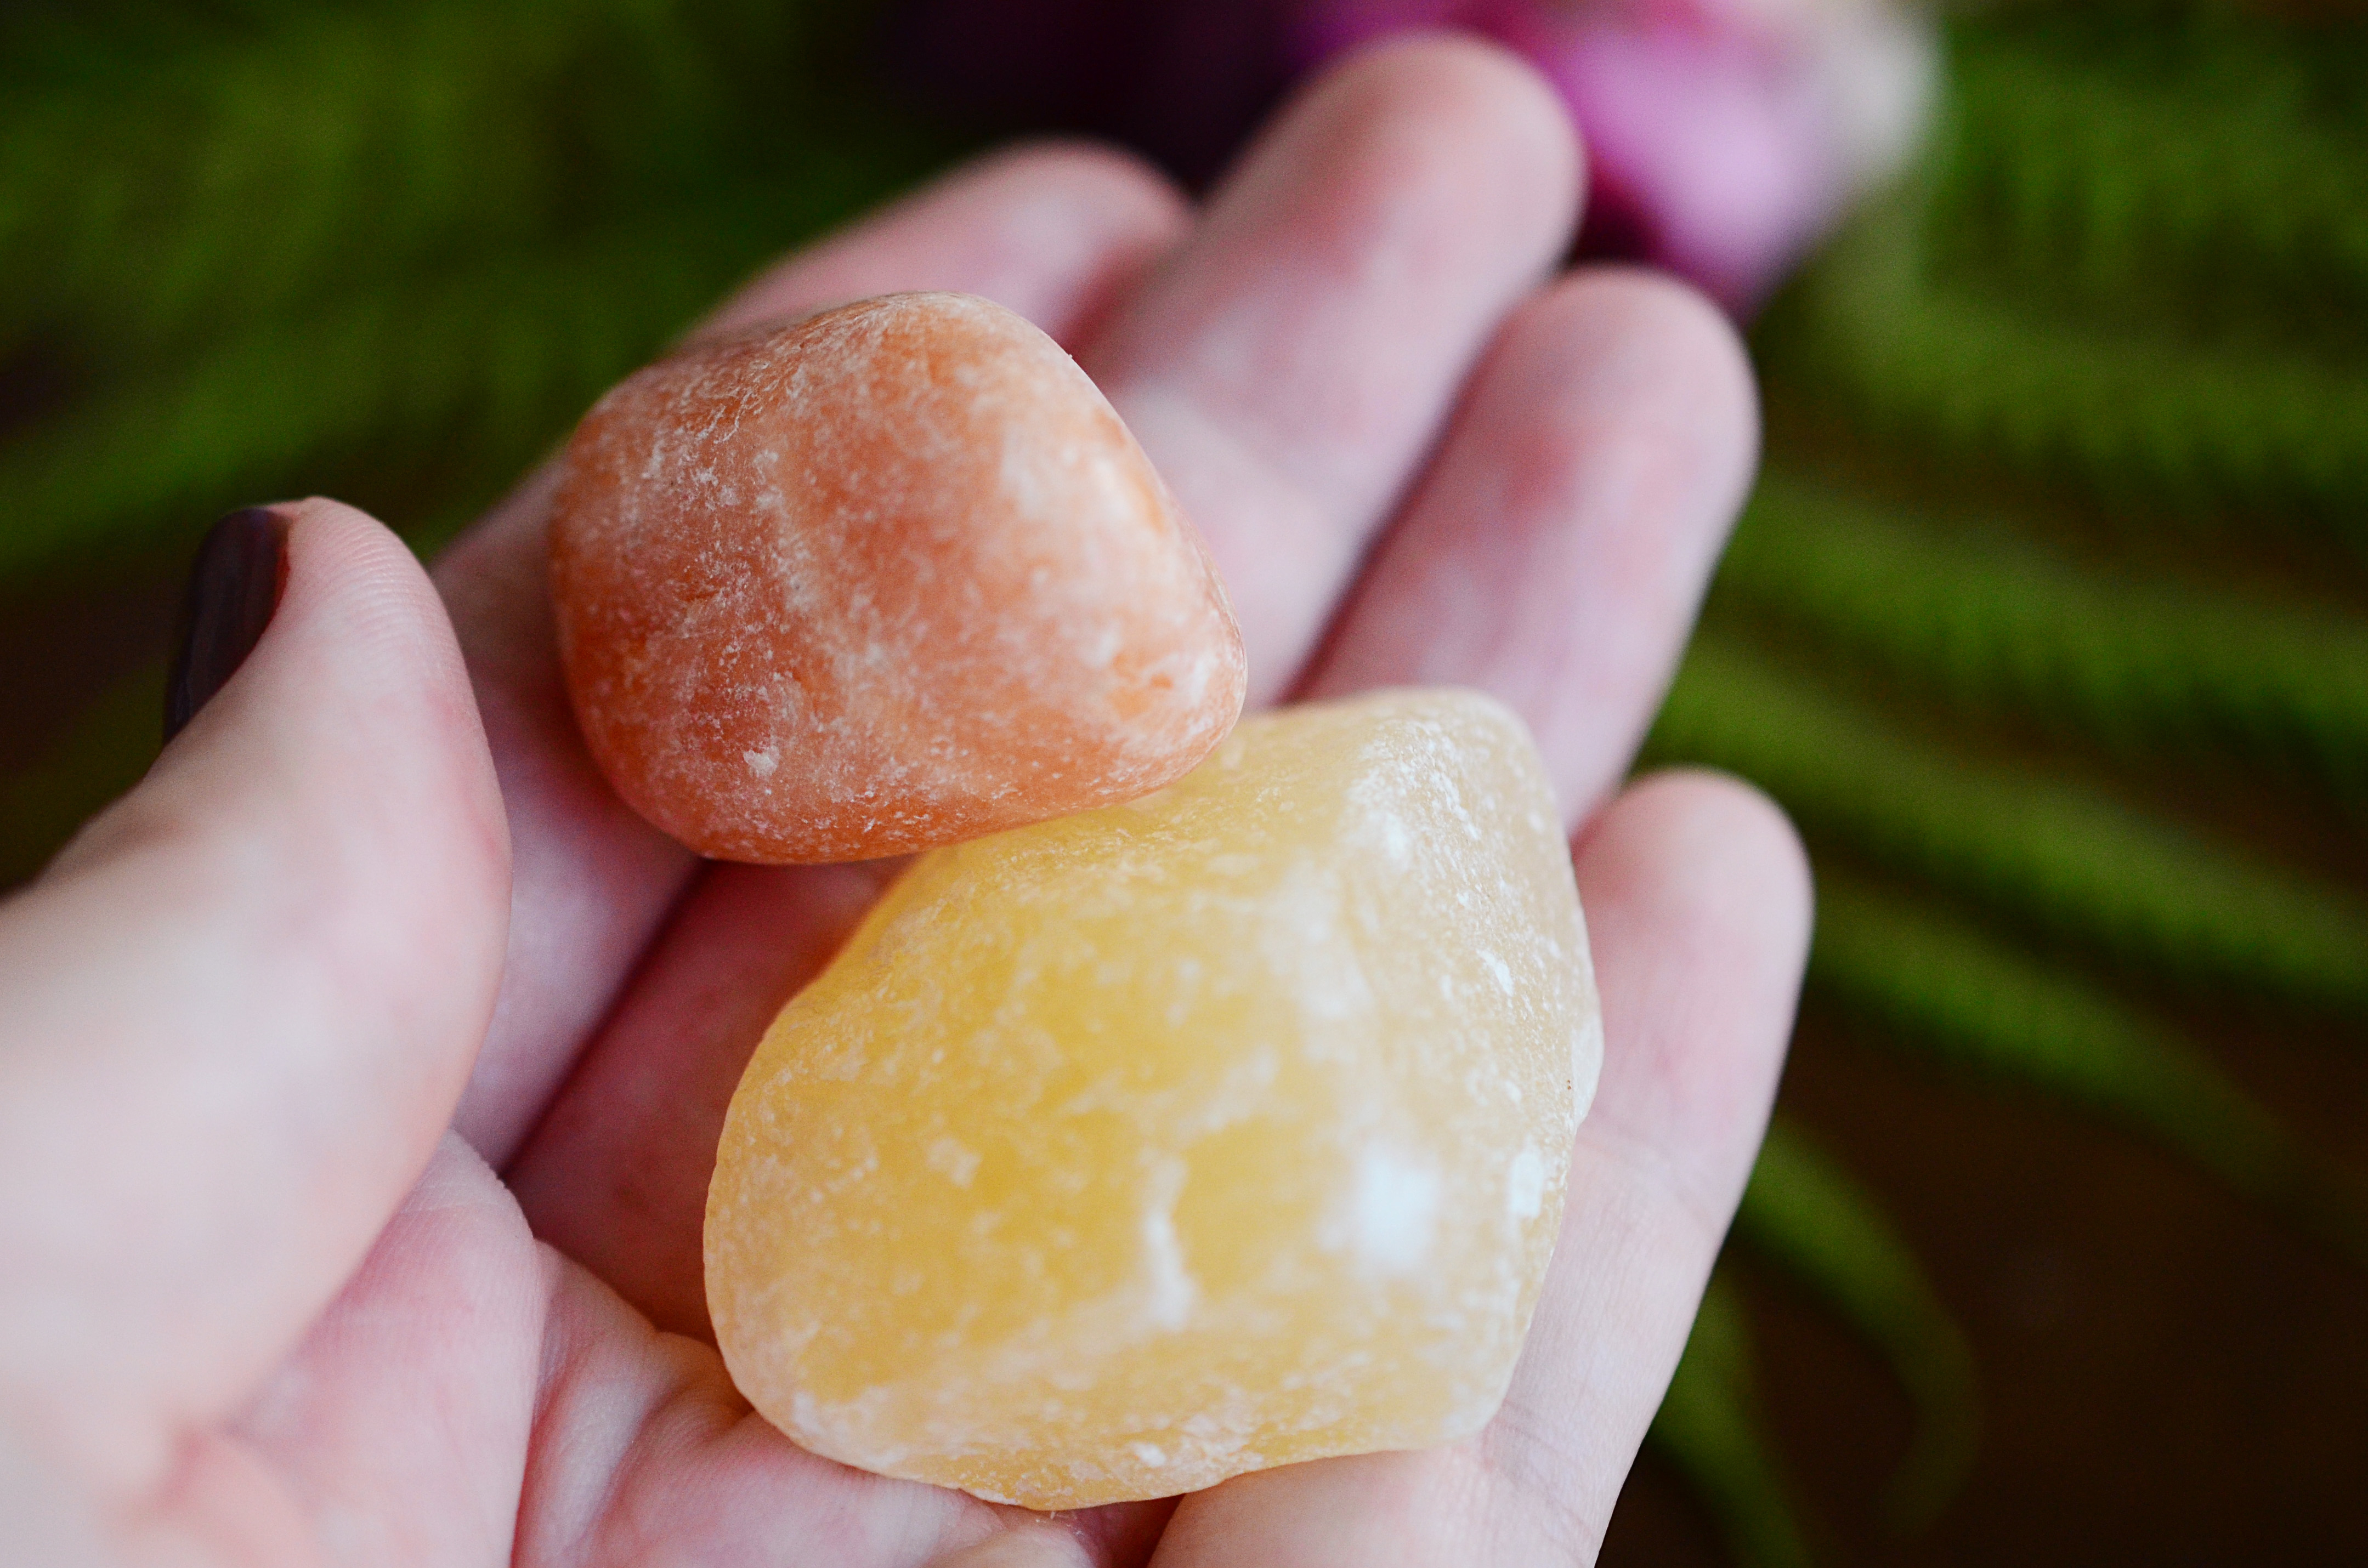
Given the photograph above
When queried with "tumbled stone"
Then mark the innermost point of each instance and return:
(891, 577)
(1225, 1129)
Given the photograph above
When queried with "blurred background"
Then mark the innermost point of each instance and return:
(2048, 621)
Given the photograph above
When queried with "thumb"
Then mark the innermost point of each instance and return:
(236, 1012)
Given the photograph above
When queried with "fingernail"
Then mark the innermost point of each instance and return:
(233, 588)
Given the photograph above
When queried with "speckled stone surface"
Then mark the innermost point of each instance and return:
(887, 578)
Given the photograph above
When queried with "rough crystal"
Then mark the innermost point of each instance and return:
(1224, 1129)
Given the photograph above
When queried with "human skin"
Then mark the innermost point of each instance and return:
(360, 1071)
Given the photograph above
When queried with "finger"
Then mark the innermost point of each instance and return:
(1554, 551)
(242, 1004)
(397, 1434)
(647, 1441)
(1035, 1546)
(1288, 367)
(651, 1442)
(1057, 232)
(1352, 249)
(616, 1176)
(1697, 899)
(1699, 894)
(1051, 232)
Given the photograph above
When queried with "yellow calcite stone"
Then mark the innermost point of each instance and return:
(1119, 1153)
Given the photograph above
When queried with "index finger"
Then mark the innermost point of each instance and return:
(1052, 232)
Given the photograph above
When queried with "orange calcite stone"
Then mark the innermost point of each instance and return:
(1122, 1154)
(891, 577)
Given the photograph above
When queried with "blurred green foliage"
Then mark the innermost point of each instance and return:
(385, 251)
(2066, 498)
(1710, 1423)
(389, 249)
(2060, 549)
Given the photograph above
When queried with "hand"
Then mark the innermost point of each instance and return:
(264, 1297)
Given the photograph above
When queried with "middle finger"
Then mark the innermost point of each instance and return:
(1289, 368)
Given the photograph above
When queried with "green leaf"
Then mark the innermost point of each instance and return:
(1708, 1428)
(1996, 626)
(2204, 171)
(472, 373)
(1941, 987)
(2134, 419)
(101, 754)
(2065, 857)
(161, 197)
(1808, 1216)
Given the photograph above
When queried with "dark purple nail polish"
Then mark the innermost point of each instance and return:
(233, 588)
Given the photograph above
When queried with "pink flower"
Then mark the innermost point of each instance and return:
(1723, 136)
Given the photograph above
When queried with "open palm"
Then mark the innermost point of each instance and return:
(268, 1296)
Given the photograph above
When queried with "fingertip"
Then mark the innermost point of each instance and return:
(1716, 849)
(1029, 1546)
(1055, 228)
(351, 744)
(341, 769)
(1558, 545)
(1696, 893)
(355, 684)
(1482, 105)
(1123, 193)
(1616, 365)
(349, 572)
(1444, 159)
(360, 615)
(1708, 355)
(1112, 214)
(1676, 355)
